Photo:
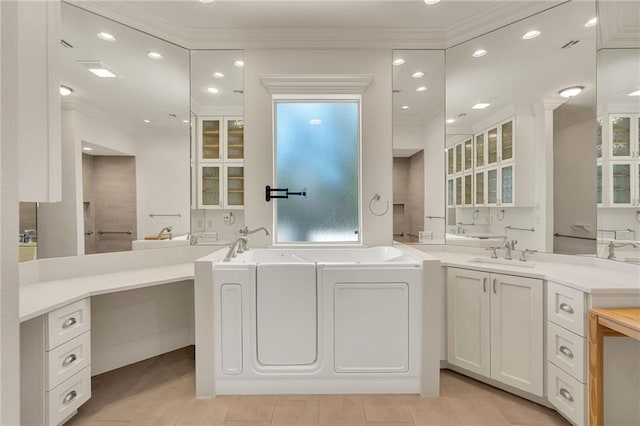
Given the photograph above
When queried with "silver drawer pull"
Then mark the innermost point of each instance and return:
(567, 308)
(566, 395)
(68, 323)
(70, 397)
(71, 358)
(566, 351)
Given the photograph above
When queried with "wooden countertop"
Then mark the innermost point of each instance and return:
(623, 320)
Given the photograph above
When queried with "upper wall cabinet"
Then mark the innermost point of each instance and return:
(620, 163)
(39, 116)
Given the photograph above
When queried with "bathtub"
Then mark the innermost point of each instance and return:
(317, 321)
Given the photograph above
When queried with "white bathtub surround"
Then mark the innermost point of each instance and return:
(310, 321)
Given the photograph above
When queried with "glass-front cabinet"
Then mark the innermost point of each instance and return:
(506, 141)
(234, 131)
(468, 155)
(599, 185)
(492, 146)
(480, 187)
(209, 177)
(621, 134)
(618, 167)
(234, 189)
(209, 138)
(479, 148)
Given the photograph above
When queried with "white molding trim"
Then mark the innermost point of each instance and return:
(278, 84)
(494, 119)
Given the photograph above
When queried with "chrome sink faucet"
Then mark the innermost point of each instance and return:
(166, 229)
(238, 246)
(612, 247)
(508, 246)
(245, 231)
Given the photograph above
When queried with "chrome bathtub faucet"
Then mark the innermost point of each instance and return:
(245, 231)
(166, 229)
(612, 247)
(238, 246)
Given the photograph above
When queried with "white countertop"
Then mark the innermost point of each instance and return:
(587, 274)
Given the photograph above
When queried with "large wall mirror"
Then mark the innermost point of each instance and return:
(125, 136)
(217, 145)
(618, 124)
(519, 154)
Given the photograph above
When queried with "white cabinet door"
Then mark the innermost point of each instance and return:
(468, 320)
(516, 332)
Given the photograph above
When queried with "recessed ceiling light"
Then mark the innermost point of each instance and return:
(431, 2)
(634, 92)
(218, 74)
(154, 55)
(99, 69)
(65, 91)
(421, 89)
(417, 74)
(451, 120)
(212, 90)
(106, 36)
(86, 148)
(315, 121)
(531, 34)
(207, 1)
(239, 63)
(186, 121)
(479, 53)
(398, 61)
(481, 105)
(147, 121)
(405, 107)
(570, 92)
(591, 22)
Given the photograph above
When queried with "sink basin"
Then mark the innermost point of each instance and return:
(514, 262)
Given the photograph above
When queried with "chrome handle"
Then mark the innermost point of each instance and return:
(68, 323)
(70, 397)
(484, 285)
(566, 351)
(566, 395)
(68, 360)
(494, 286)
(567, 308)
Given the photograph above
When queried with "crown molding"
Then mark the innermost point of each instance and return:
(278, 84)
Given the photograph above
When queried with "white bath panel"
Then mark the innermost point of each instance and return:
(286, 314)
(231, 328)
(371, 325)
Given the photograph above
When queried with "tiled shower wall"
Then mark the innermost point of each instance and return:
(408, 197)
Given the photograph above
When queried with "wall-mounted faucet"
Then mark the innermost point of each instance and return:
(612, 247)
(245, 231)
(166, 229)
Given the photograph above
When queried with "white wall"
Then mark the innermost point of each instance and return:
(210, 220)
(376, 130)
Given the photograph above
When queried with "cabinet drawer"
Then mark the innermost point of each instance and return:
(68, 358)
(68, 322)
(566, 350)
(65, 399)
(565, 307)
(566, 394)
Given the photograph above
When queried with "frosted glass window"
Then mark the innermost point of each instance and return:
(318, 150)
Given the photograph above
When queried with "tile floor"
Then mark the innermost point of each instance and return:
(159, 391)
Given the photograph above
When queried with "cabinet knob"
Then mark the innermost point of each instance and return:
(566, 307)
(566, 394)
(68, 360)
(68, 323)
(70, 397)
(566, 351)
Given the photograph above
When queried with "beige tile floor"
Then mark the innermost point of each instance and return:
(159, 391)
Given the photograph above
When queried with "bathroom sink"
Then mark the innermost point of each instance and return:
(514, 262)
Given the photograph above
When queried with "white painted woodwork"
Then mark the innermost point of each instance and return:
(371, 324)
(567, 350)
(566, 307)
(39, 109)
(64, 400)
(517, 355)
(231, 328)
(566, 394)
(468, 316)
(68, 322)
(286, 314)
(68, 359)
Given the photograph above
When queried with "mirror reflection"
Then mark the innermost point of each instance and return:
(217, 146)
(618, 143)
(502, 90)
(418, 105)
(27, 233)
(125, 122)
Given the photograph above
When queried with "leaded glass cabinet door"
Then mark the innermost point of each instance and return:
(209, 136)
(506, 141)
(468, 189)
(492, 146)
(620, 135)
(479, 184)
(599, 184)
(458, 158)
(451, 161)
(234, 131)
(599, 138)
(234, 189)
(459, 191)
(210, 185)
(492, 187)
(468, 155)
(621, 188)
(451, 192)
(479, 150)
(506, 186)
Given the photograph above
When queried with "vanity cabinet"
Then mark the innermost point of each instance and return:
(495, 327)
(55, 372)
(220, 163)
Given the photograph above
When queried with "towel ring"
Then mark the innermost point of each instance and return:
(376, 197)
